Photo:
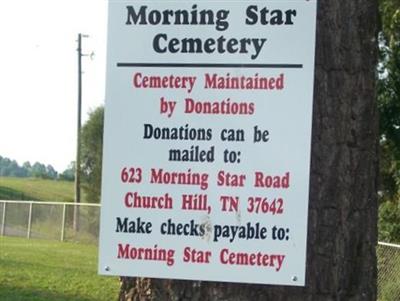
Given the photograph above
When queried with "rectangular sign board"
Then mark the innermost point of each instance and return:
(207, 140)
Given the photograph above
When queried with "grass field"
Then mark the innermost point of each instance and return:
(37, 190)
(38, 270)
(41, 270)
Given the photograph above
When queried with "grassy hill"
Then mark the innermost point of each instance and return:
(37, 190)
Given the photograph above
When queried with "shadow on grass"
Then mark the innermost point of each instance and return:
(14, 293)
(7, 193)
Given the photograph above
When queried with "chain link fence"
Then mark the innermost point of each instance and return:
(50, 220)
(55, 221)
(388, 272)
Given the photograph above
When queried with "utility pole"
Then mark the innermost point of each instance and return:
(78, 141)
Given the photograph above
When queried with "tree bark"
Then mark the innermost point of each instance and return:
(342, 226)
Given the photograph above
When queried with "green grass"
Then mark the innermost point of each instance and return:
(37, 190)
(38, 270)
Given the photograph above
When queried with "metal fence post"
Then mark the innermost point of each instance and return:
(28, 234)
(3, 220)
(45, 224)
(63, 223)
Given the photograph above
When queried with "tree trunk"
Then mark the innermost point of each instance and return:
(342, 231)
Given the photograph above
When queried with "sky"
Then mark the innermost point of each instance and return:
(38, 76)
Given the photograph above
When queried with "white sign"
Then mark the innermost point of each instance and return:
(207, 140)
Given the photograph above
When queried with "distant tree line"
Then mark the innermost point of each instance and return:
(91, 164)
(10, 168)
